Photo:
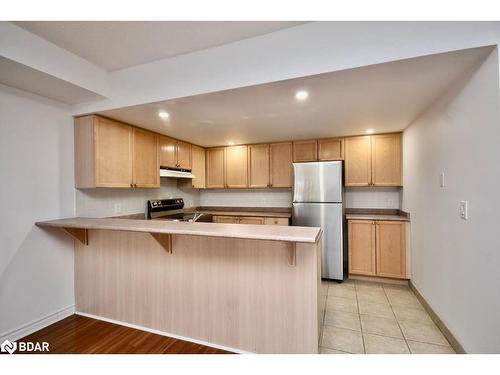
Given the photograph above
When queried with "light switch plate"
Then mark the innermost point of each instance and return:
(441, 179)
(464, 210)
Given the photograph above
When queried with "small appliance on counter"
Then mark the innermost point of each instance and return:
(172, 210)
(317, 202)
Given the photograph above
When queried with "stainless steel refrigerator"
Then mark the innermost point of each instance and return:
(317, 202)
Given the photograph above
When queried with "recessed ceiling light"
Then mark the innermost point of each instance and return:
(369, 131)
(163, 114)
(230, 143)
(301, 95)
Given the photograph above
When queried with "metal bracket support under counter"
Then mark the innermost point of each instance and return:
(78, 234)
(165, 240)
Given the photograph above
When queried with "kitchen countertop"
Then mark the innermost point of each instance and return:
(376, 217)
(246, 231)
(240, 212)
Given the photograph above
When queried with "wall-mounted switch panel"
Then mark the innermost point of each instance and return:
(463, 210)
(441, 180)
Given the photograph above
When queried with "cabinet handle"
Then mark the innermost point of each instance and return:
(131, 185)
(135, 185)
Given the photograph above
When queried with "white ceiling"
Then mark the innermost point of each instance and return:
(119, 44)
(386, 97)
(23, 77)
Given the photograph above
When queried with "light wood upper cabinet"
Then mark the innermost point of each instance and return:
(386, 159)
(168, 152)
(237, 167)
(146, 166)
(361, 245)
(258, 158)
(215, 173)
(391, 249)
(174, 153)
(280, 165)
(113, 153)
(305, 151)
(330, 149)
(358, 170)
(109, 153)
(183, 155)
(373, 160)
(198, 167)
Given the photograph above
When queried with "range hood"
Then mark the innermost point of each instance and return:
(164, 172)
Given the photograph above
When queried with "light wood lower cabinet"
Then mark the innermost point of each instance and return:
(391, 249)
(111, 154)
(377, 248)
(255, 220)
(362, 247)
(251, 220)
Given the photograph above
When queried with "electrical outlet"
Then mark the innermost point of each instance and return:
(464, 210)
(118, 208)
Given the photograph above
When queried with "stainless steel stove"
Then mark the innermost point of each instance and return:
(172, 210)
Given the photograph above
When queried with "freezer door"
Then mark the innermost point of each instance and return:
(317, 182)
(328, 216)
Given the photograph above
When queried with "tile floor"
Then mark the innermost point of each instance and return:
(368, 317)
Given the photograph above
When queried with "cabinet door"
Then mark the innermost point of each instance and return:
(113, 153)
(258, 156)
(391, 249)
(226, 219)
(358, 161)
(281, 165)
(168, 152)
(276, 221)
(146, 166)
(251, 220)
(198, 167)
(237, 167)
(305, 151)
(386, 160)
(331, 149)
(361, 247)
(216, 168)
(183, 155)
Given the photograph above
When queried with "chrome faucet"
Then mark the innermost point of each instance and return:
(197, 215)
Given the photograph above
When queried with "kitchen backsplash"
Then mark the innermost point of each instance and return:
(373, 197)
(113, 202)
(246, 198)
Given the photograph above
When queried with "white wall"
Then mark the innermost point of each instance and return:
(373, 197)
(455, 263)
(246, 198)
(36, 164)
(115, 202)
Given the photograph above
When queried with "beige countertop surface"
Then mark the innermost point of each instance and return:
(244, 231)
(376, 217)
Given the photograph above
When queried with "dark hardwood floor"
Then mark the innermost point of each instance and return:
(81, 335)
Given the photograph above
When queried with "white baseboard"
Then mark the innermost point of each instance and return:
(162, 333)
(38, 324)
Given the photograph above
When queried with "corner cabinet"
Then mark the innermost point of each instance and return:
(377, 248)
(373, 160)
(112, 154)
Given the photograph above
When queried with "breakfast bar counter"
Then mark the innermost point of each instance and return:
(240, 287)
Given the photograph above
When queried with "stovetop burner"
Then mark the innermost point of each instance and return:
(171, 210)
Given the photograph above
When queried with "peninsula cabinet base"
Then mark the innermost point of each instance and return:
(233, 293)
